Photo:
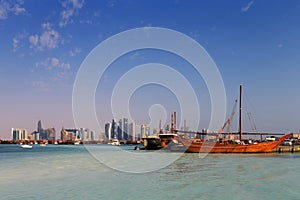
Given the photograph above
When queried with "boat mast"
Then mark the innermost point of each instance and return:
(174, 118)
(240, 113)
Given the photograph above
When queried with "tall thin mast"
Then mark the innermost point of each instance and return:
(174, 118)
(240, 113)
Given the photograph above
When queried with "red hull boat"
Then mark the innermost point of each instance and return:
(201, 146)
(222, 146)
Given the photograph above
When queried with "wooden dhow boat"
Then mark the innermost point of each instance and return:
(201, 146)
(221, 145)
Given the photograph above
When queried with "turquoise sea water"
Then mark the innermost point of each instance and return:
(71, 172)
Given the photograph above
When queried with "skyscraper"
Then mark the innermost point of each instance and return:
(108, 130)
(92, 135)
(114, 129)
(125, 129)
(43, 134)
(120, 130)
(84, 134)
(132, 131)
(18, 134)
(39, 128)
(144, 130)
(69, 134)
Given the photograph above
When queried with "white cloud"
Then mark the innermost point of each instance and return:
(247, 7)
(74, 52)
(111, 3)
(13, 7)
(279, 45)
(70, 8)
(34, 40)
(40, 85)
(52, 73)
(53, 63)
(16, 40)
(15, 43)
(49, 38)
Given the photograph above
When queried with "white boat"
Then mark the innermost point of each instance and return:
(115, 142)
(26, 146)
(43, 145)
(77, 142)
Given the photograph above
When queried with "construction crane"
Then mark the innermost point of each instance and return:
(229, 120)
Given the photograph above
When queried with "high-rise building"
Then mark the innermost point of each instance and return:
(144, 131)
(114, 129)
(39, 128)
(69, 134)
(148, 131)
(120, 130)
(92, 135)
(108, 130)
(18, 134)
(132, 131)
(125, 129)
(43, 134)
(84, 134)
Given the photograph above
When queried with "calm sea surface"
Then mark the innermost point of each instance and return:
(71, 172)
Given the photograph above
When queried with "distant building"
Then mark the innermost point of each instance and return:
(108, 127)
(132, 131)
(69, 134)
(120, 130)
(114, 128)
(144, 132)
(18, 134)
(84, 134)
(92, 135)
(125, 129)
(43, 134)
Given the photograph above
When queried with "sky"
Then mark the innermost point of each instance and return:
(43, 44)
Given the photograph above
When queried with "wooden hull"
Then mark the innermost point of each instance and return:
(198, 146)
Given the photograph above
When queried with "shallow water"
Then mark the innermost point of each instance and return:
(71, 172)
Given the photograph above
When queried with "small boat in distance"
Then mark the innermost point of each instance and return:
(26, 146)
(115, 142)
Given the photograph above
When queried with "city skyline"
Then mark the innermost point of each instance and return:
(43, 44)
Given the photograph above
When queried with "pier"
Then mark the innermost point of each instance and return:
(287, 149)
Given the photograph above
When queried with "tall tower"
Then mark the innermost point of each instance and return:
(132, 131)
(108, 130)
(120, 130)
(143, 130)
(125, 129)
(39, 128)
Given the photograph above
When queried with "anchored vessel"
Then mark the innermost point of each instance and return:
(221, 145)
(155, 142)
(201, 146)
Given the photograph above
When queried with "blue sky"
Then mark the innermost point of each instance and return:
(43, 44)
